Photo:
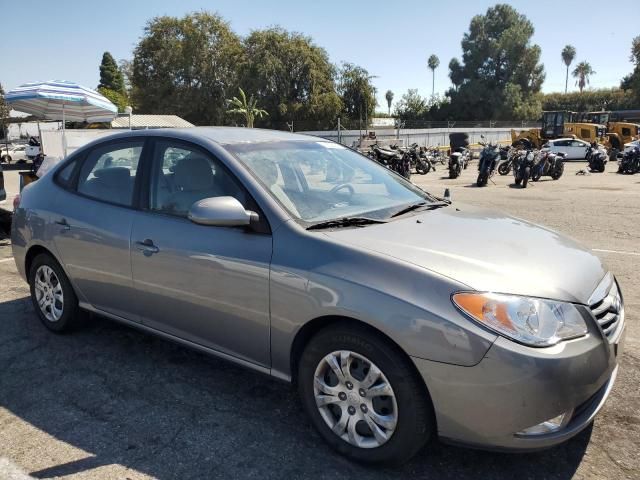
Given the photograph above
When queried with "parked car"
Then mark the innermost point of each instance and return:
(574, 148)
(302, 259)
(14, 153)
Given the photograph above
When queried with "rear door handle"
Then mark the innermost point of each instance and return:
(147, 247)
(64, 224)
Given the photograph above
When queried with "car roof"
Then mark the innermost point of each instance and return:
(567, 138)
(222, 135)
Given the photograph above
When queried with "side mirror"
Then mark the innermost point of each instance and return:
(221, 212)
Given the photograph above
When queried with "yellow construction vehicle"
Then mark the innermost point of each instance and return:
(560, 124)
(618, 132)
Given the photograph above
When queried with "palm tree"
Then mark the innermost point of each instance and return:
(568, 54)
(248, 109)
(582, 72)
(389, 97)
(433, 63)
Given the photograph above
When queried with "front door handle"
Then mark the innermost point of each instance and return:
(64, 224)
(147, 247)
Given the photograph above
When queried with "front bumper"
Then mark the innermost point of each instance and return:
(515, 387)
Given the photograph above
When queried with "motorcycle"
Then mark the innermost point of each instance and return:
(487, 165)
(597, 157)
(549, 164)
(458, 161)
(523, 166)
(630, 162)
(506, 160)
(397, 160)
(418, 160)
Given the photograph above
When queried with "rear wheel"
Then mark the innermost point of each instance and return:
(559, 170)
(454, 170)
(52, 295)
(504, 168)
(6, 158)
(363, 397)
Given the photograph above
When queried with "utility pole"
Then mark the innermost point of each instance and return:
(339, 136)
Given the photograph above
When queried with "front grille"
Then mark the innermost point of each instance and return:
(608, 311)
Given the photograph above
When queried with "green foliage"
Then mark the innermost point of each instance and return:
(357, 93)
(4, 113)
(582, 73)
(110, 75)
(247, 108)
(186, 66)
(411, 106)
(433, 63)
(498, 60)
(119, 99)
(292, 78)
(389, 98)
(631, 82)
(591, 100)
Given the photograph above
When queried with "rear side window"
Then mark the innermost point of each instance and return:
(65, 176)
(108, 173)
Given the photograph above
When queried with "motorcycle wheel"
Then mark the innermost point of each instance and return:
(525, 177)
(537, 174)
(602, 167)
(482, 179)
(504, 168)
(559, 170)
(423, 167)
(454, 171)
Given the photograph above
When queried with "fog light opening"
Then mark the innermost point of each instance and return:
(548, 426)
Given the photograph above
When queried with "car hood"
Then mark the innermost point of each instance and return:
(487, 251)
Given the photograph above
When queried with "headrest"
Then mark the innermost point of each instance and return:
(113, 175)
(193, 173)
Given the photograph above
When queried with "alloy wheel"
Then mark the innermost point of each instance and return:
(49, 295)
(355, 399)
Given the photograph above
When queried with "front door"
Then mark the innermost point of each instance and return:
(205, 284)
(92, 236)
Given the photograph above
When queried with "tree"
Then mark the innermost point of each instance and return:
(456, 73)
(291, 78)
(186, 66)
(497, 53)
(110, 75)
(357, 93)
(411, 105)
(568, 54)
(119, 99)
(433, 63)
(389, 97)
(4, 113)
(247, 108)
(582, 73)
(632, 81)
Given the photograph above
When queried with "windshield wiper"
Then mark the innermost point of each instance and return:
(415, 206)
(345, 222)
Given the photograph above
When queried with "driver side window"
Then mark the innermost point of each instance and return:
(183, 174)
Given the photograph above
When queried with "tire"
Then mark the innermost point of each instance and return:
(6, 159)
(525, 177)
(413, 409)
(482, 179)
(504, 168)
(423, 167)
(559, 170)
(454, 170)
(69, 316)
(537, 174)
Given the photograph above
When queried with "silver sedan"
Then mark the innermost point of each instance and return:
(398, 315)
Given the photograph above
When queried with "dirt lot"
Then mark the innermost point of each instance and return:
(109, 402)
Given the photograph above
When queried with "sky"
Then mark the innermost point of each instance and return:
(65, 40)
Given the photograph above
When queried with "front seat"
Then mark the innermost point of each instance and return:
(194, 180)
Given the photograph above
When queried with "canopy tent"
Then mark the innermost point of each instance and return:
(61, 100)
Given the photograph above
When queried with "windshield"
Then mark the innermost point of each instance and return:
(316, 181)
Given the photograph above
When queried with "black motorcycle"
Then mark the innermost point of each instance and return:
(523, 165)
(549, 165)
(487, 165)
(597, 157)
(397, 160)
(460, 154)
(418, 159)
(506, 160)
(630, 162)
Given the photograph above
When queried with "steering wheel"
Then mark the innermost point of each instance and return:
(343, 186)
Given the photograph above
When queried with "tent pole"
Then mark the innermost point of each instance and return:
(64, 135)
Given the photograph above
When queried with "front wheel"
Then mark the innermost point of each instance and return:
(363, 396)
(454, 170)
(52, 295)
(559, 170)
(525, 177)
(537, 174)
(504, 168)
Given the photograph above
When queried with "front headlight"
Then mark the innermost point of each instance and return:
(532, 321)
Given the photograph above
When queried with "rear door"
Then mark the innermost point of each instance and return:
(579, 149)
(205, 284)
(93, 225)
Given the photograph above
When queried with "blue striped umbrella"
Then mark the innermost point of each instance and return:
(61, 100)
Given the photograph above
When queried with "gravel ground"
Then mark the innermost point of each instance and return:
(109, 402)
